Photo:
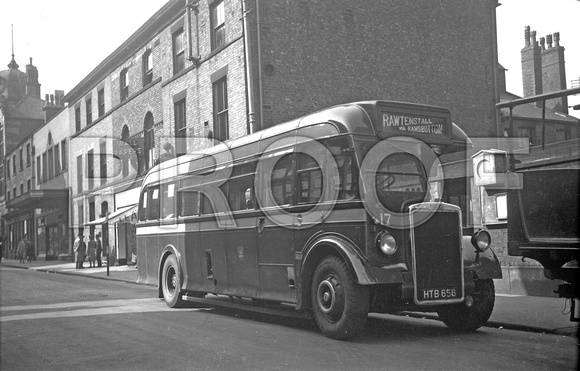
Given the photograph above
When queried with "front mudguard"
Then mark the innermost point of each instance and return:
(484, 264)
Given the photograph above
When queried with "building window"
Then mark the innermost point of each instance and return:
(148, 142)
(218, 25)
(124, 84)
(44, 168)
(530, 133)
(80, 173)
(21, 158)
(78, 118)
(81, 214)
(101, 102)
(8, 168)
(28, 185)
(91, 168)
(180, 127)
(220, 109)
(63, 155)
(8, 195)
(563, 134)
(14, 165)
(57, 168)
(178, 51)
(89, 110)
(38, 171)
(21, 188)
(147, 67)
(27, 154)
(50, 163)
(501, 206)
(125, 156)
(103, 162)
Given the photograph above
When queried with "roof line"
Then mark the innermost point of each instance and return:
(537, 98)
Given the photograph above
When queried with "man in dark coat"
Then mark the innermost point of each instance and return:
(99, 250)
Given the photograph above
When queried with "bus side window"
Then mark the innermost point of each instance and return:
(282, 187)
(309, 179)
(168, 201)
(239, 192)
(143, 206)
(189, 203)
(153, 203)
(206, 207)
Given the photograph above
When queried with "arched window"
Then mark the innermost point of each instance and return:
(148, 142)
(147, 67)
(125, 156)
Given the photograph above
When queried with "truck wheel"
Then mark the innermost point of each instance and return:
(171, 283)
(460, 317)
(340, 305)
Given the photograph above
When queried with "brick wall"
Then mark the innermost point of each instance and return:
(319, 53)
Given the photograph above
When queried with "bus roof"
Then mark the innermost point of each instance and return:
(353, 118)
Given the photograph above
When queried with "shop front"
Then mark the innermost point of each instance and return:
(43, 216)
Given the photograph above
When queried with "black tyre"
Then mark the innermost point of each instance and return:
(340, 305)
(171, 283)
(463, 318)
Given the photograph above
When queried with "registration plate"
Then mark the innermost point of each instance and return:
(438, 294)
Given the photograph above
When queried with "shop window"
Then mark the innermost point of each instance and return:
(501, 206)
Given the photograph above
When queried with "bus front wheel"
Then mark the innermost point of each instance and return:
(340, 305)
(171, 283)
(460, 317)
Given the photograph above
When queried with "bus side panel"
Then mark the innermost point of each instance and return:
(148, 267)
(276, 262)
(214, 264)
(242, 258)
(193, 258)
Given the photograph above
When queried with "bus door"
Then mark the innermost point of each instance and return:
(275, 238)
(241, 252)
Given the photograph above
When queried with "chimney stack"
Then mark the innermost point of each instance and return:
(531, 64)
(32, 85)
(554, 72)
(53, 104)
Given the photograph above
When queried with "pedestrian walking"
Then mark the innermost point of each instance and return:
(29, 250)
(92, 251)
(22, 250)
(80, 249)
(99, 251)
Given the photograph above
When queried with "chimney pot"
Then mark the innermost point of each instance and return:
(527, 35)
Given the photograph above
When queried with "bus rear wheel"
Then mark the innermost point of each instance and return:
(340, 305)
(460, 317)
(171, 283)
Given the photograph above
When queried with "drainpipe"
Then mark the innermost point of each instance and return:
(192, 5)
(258, 28)
(252, 125)
(498, 132)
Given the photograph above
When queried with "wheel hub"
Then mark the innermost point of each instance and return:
(329, 296)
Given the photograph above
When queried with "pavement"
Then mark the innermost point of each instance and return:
(514, 312)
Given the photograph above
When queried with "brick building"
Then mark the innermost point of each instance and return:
(20, 114)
